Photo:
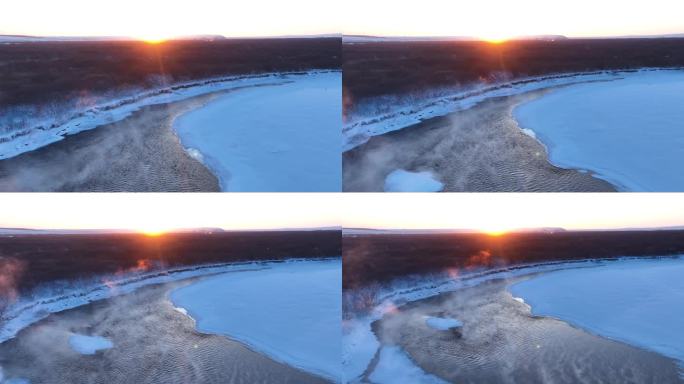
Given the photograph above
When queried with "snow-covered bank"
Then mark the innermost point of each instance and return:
(360, 343)
(405, 181)
(22, 131)
(361, 127)
(290, 312)
(89, 345)
(638, 302)
(29, 310)
(629, 132)
(271, 138)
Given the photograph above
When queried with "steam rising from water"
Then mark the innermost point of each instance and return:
(11, 271)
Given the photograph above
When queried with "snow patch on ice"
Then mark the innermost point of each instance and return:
(628, 132)
(195, 154)
(529, 133)
(442, 323)
(281, 137)
(638, 302)
(396, 367)
(290, 312)
(405, 181)
(519, 300)
(89, 345)
(181, 310)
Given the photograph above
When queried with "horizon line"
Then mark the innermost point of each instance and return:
(522, 229)
(519, 37)
(180, 229)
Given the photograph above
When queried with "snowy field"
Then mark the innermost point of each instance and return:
(360, 344)
(29, 310)
(405, 181)
(377, 120)
(629, 132)
(272, 138)
(46, 129)
(290, 311)
(638, 302)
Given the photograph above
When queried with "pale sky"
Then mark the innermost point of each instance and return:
(158, 19)
(500, 212)
(158, 212)
(487, 212)
(487, 19)
(500, 19)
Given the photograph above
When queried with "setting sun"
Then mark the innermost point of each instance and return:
(152, 232)
(495, 38)
(152, 38)
(496, 233)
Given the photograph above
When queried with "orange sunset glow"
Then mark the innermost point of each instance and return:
(494, 214)
(497, 21)
(497, 214)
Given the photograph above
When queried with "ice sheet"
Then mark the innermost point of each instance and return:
(271, 138)
(30, 309)
(359, 343)
(635, 301)
(290, 312)
(629, 132)
(40, 129)
(375, 118)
